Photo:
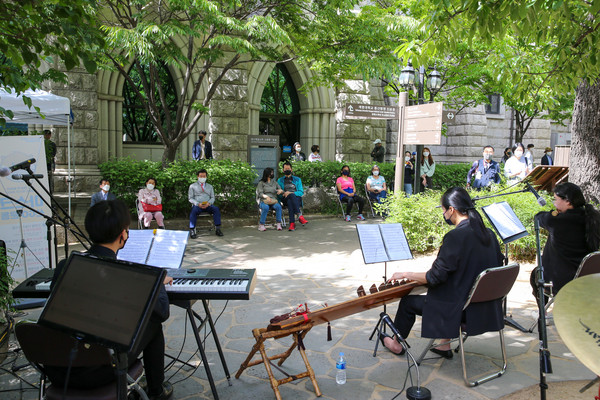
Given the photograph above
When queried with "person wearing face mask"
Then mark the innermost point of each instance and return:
(202, 148)
(347, 192)
(292, 195)
(107, 225)
(547, 158)
(409, 171)
(297, 154)
(378, 151)
(150, 204)
(315, 154)
(466, 251)
(485, 170)
(427, 170)
(516, 167)
(103, 194)
(507, 155)
(202, 197)
(266, 195)
(376, 187)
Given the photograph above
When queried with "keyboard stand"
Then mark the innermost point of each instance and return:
(192, 316)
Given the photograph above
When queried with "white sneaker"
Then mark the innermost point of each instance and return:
(279, 228)
(261, 228)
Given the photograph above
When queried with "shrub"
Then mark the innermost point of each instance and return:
(447, 176)
(425, 227)
(232, 181)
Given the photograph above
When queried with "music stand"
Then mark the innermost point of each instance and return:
(108, 302)
(545, 177)
(508, 226)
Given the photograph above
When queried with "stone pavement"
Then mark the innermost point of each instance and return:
(319, 263)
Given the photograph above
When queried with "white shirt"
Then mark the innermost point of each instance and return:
(512, 166)
(312, 157)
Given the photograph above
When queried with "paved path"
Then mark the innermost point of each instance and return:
(322, 262)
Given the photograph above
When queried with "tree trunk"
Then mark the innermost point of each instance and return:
(169, 154)
(584, 161)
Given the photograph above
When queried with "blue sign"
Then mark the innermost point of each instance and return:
(287, 149)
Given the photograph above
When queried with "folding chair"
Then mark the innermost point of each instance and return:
(369, 201)
(44, 347)
(140, 215)
(272, 211)
(341, 204)
(493, 284)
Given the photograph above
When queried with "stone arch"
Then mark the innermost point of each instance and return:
(317, 107)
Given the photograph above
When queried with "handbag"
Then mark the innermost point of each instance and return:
(151, 207)
(269, 201)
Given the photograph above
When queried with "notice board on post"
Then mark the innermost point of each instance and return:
(263, 152)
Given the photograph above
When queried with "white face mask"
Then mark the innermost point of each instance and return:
(298, 149)
(487, 156)
(106, 188)
(426, 154)
(149, 186)
(375, 173)
(407, 158)
(549, 154)
(202, 180)
(518, 153)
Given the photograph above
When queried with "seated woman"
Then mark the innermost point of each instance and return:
(347, 192)
(376, 187)
(150, 204)
(266, 195)
(466, 251)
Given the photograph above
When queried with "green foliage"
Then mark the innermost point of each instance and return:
(6, 282)
(232, 181)
(447, 176)
(425, 227)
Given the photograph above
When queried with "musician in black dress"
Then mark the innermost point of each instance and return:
(466, 251)
(107, 224)
(573, 232)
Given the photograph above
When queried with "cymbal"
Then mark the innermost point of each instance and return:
(577, 319)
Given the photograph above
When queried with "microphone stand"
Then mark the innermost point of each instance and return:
(545, 363)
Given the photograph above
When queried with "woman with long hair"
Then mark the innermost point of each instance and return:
(427, 169)
(573, 232)
(466, 251)
(266, 195)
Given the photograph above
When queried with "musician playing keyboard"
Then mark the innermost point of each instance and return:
(107, 224)
(466, 251)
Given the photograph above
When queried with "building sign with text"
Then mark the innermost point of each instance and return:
(369, 111)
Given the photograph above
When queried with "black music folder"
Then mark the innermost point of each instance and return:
(383, 242)
(158, 248)
(504, 221)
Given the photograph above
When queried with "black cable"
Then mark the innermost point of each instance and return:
(72, 355)
(405, 380)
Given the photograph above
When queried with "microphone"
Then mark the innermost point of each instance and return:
(5, 171)
(26, 177)
(388, 321)
(541, 201)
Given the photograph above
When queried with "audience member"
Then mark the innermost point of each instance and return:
(347, 193)
(292, 194)
(376, 187)
(547, 158)
(202, 149)
(266, 195)
(516, 167)
(378, 151)
(202, 197)
(409, 173)
(315, 154)
(103, 194)
(50, 148)
(297, 154)
(507, 155)
(529, 156)
(486, 170)
(150, 204)
(427, 169)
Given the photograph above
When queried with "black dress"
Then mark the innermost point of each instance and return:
(461, 258)
(566, 245)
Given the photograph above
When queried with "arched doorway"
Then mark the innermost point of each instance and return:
(280, 109)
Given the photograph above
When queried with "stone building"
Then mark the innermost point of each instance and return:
(239, 109)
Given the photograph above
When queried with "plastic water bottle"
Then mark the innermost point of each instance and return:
(340, 365)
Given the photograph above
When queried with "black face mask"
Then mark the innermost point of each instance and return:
(447, 220)
(345, 172)
(272, 176)
(287, 172)
(201, 137)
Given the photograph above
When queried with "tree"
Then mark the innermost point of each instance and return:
(37, 32)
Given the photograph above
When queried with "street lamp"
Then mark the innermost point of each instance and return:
(434, 83)
(407, 77)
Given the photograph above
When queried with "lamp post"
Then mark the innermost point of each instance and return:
(434, 83)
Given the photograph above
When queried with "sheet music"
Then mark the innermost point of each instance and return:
(504, 220)
(137, 247)
(395, 242)
(371, 243)
(167, 249)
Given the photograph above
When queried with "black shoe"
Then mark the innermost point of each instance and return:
(382, 336)
(218, 232)
(161, 227)
(193, 233)
(447, 354)
(167, 392)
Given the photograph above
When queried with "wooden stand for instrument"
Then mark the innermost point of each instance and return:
(261, 335)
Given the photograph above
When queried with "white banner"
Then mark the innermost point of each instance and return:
(25, 235)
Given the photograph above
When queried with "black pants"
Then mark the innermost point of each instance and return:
(408, 309)
(351, 200)
(429, 181)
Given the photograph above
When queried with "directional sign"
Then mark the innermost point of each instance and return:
(448, 117)
(423, 124)
(369, 111)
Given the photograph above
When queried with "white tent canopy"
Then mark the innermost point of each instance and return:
(54, 110)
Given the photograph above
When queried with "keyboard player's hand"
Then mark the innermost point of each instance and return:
(168, 280)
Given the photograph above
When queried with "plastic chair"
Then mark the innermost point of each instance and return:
(493, 284)
(44, 347)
